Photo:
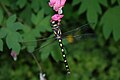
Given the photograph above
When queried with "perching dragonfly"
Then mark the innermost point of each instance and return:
(76, 34)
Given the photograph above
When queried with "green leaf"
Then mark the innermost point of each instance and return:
(12, 39)
(2, 32)
(113, 1)
(29, 38)
(104, 2)
(45, 49)
(29, 42)
(110, 22)
(45, 54)
(16, 48)
(5, 2)
(21, 3)
(68, 9)
(36, 19)
(51, 47)
(44, 25)
(75, 2)
(44, 5)
(35, 5)
(118, 2)
(1, 45)
(11, 20)
(93, 9)
(56, 52)
(82, 8)
(15, 26)
(26, 14)
(92, 17)
(1, 16)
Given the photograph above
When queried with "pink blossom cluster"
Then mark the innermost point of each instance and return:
(57, 6)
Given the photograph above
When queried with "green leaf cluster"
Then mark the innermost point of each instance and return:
(24, 23)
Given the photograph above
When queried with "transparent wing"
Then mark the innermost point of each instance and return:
(74, 32)
(31, 42)
(78, 33)
(82, 29)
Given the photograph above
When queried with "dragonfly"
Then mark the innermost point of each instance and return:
(76, 34)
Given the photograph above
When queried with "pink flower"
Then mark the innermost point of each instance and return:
(14, 55)
(52, 2)
(57, 17)
(57, 4)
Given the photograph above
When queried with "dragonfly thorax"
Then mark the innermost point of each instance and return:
(56, 29)
(54, 24)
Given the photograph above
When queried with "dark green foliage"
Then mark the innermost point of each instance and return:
(23, 22)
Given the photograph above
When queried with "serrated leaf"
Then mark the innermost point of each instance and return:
(1, 16)
(11, 20)
(44, 25)
(37, 18)
(1, 45)
(12, 39)
(93, 9)
(29, 41)
(104, 2)
(21, 3)
(15, 26)
(110, 22)
(29, 38)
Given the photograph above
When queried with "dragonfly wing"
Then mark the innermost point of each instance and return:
(84, 36)
(81, 29)
(43, 45)
(35, 45)
(35, 42)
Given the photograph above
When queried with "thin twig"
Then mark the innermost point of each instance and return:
(6, 10)
(39, 66)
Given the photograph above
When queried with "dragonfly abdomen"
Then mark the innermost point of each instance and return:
(64, 56)
(57, 32)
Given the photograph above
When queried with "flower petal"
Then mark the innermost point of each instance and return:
(57, 5)
(14, 55)
(63, 3)
(52, 2)
(57, 17)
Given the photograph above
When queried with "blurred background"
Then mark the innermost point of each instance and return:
(23, 23)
